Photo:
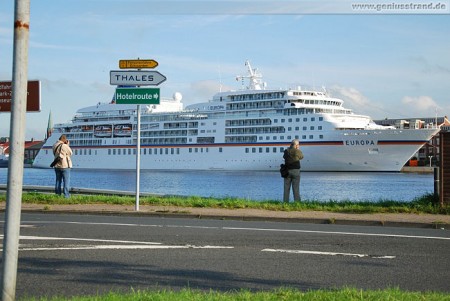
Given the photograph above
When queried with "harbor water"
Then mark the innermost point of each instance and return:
(258, 186)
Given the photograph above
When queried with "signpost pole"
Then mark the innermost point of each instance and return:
(138, 154)
(137, 96)
(17, 135)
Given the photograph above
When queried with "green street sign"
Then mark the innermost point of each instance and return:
(137, 96)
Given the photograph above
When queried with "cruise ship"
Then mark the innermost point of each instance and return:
(246, 129)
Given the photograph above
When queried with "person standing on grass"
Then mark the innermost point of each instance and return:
(292, 157)
(62, 150)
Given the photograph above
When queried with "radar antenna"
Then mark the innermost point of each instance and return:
(255, 82)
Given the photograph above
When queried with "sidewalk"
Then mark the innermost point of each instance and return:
(434, 221)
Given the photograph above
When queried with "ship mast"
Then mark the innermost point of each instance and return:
(253, 76)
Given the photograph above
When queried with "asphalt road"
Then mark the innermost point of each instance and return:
(66, 255)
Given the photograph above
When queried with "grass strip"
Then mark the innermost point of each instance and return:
(282, 294)
(424, 204)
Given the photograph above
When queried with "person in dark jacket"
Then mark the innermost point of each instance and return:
(292, 157)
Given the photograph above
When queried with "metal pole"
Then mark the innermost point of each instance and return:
(436, 182)
(138, 155)
(16, 157)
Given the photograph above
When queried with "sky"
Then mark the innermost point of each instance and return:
(385, 64)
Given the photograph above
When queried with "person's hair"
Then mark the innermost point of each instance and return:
(63, 138)
(295, 142)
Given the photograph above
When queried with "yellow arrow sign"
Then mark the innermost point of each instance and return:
(137, 64)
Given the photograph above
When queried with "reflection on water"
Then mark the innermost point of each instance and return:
(322, 186)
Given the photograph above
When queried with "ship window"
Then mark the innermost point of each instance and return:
(190, 150)
(246, 150)
(150, 151)
(134, 151)
(311, 128)
(172, 151)
(253, 150)
(196, 150)
(118, 151)
(220, 149)
(319, 127)
(274, 149)
(296, 137)
(282, 137)
(303, 137)
(282, 120)
(311, 137)
(289, 129)
(289, 137)
(321, 136)
(178, 151)
(313, 119)
(145, 151)
(114, 151)
(260, 149)
(290, 120)
(267, 137)
(109, 151)
(281, 150)
(297, 128)
(129, 151)
(304, 128)
(305, 119)
(320, 118)
(297, 119)
(275, 121)
(267, 149)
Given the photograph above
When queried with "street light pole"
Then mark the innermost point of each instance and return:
(16, 157)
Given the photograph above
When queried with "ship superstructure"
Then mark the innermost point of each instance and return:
(245, 129)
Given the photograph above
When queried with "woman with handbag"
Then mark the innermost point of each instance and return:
(62, 165)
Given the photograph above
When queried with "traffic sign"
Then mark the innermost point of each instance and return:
(137, 64)
(137, 96)
(136, 78)
(33, 96)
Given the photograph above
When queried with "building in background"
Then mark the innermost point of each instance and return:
(428, 155)
(32, 148)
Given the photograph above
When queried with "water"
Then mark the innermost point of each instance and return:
(321, 186)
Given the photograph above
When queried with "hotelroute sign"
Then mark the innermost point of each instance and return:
(137, 96)
(137, 64)
(33, 96)
(136, 78)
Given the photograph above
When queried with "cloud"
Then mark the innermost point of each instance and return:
(420, 104)
(351, 96)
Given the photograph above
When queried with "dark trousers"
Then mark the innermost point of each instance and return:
(292, 180)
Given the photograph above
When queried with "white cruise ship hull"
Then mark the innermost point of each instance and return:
(387, 151)
(237, 130)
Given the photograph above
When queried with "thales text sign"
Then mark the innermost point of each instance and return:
(136, 78)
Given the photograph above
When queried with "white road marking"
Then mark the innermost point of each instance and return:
(85, 239)
(123, 247)
(253, 229)
(327, 253)
(339, 233)
(126, 244)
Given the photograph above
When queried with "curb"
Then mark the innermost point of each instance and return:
(329, 221)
